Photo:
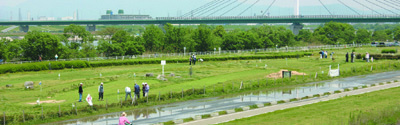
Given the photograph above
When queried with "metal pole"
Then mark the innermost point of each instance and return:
(59, 110)
(23, 115)
(204, 91)
(76, 110)
(42, 113)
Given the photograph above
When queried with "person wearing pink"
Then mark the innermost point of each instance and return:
(123, 119)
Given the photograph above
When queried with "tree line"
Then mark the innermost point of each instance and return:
(76, 42)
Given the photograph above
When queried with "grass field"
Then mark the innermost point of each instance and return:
(332, 112)
(3, 27)
(207, 74)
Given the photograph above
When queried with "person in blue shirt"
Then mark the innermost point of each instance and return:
(137, 91)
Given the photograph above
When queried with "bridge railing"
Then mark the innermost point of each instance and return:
(277, 17)
(206, 53)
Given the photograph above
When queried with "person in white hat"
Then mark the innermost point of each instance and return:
(146, 89)
(80, 92)
(101, 91)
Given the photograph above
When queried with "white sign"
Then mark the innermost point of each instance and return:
(163, 62)
(89, 100)
(334, 72)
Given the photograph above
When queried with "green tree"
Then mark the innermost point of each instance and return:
(363, 36)
(153, 37)
(331, 32)
(204, 38)
(304, 35)
(38, 43)
(73, 31)
(379, 35)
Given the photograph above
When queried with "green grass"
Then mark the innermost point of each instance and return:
(328, 112)
(3, 27)
(207, 74)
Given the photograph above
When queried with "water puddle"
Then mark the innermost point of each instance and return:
(163, 113)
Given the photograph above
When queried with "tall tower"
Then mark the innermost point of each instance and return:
(77, 15)
(28, 16)
(297, 8)
(19, 15)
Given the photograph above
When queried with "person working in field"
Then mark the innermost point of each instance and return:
(123, 120)
(80, 92)
(137, 91)
(128, 92)
(101, 91)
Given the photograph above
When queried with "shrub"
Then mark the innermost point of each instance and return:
(12, 68)
(389, 51)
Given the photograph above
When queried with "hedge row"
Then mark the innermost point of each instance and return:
(12, 68)
(378, 56)
(389, 51)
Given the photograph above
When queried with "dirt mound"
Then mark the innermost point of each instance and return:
(47, 101)
(279, 74)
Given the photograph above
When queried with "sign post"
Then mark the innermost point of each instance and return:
(184, 51)
(163, 62)
(40, 84)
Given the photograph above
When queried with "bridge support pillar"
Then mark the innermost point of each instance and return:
(91, 27)
(296, 27)
(162, 27)
(24, 28)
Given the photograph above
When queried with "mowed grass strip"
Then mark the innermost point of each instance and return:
(328, 112)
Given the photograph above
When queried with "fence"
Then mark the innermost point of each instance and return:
(209, 53)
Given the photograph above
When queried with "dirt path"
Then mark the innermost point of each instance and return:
(258, 111)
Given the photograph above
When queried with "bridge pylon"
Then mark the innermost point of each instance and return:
(24, 28)
(296, 27)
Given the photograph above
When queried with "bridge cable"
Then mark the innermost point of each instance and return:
(349, 7)
(233, 8)
(207, 4)
(207, 8)
(222, 8)
(217, 6)
(325, 7)
(199, 8)
(268, 7)
(394, 2)
(367, 7)
(389, 4)
(381, 7)
(248, 7)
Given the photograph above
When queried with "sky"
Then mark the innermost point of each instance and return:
(93, 9)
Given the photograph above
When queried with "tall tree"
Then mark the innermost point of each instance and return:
(44, 44)
(363, 36)
(153, 37)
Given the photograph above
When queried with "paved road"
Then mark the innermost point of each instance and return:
(258, 111)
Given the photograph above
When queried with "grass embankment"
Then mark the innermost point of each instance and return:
(334, 112)
(220, 74)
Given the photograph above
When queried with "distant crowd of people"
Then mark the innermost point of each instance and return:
(145, 90)
(353, 56)
(324, 54)
(193, 59)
